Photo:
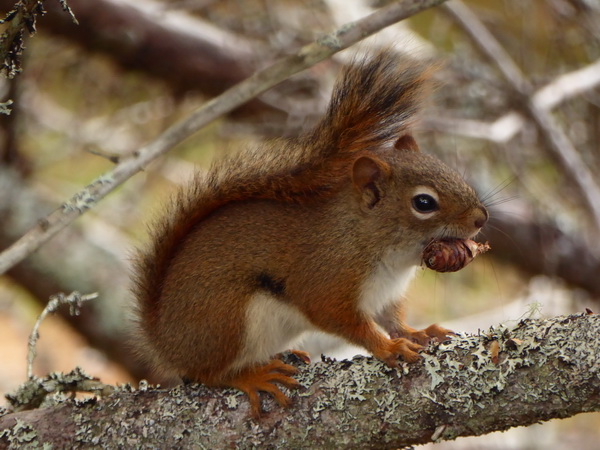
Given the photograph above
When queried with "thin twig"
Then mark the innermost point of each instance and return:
(74, 300)
(499, 131)
(557, 143)
(306, 57)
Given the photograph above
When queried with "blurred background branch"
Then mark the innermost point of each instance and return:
(557, 143)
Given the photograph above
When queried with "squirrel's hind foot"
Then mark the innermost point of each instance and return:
(433, 333)
(262, 379)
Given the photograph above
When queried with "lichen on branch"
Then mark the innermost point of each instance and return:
(21, 19)
(467, 386)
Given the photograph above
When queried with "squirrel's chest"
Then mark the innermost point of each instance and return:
(387, 283)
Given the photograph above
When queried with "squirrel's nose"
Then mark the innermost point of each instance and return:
(482, 219)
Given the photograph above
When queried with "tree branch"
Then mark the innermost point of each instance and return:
(306, 57)
(89, 267)
(184, 51)
(471, 385)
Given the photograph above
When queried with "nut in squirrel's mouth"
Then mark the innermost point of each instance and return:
(451, 254)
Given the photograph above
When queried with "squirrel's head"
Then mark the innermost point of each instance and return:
(420, 197)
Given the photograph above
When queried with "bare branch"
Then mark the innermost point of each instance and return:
(558, 145)
(507, 126)
(306, 57)
(500, 130)
(471, 385)
(185, 51)
(567, 86)
(74, 300)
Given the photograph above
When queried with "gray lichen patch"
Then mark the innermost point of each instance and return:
(80, 202)
(520, 363)
(87, 198)
(48, 391)
(21, 436)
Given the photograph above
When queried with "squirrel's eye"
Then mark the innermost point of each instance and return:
(424, 203)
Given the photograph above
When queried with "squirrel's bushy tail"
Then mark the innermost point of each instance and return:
(373, 104)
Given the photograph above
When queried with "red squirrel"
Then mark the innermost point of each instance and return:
(321, 232)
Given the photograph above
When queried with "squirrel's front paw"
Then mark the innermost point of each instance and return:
(439, 334)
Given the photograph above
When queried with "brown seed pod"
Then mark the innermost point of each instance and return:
(450, 255)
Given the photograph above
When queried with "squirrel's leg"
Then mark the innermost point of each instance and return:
(257, 379)
(356, 327)
(391, 319)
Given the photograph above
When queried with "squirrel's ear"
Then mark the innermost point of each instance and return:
(407, 142)
(366, 175)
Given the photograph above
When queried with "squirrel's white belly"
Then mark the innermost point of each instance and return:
(271, 327)
(388, 282)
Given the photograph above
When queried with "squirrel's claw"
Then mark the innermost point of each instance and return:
(300, 354)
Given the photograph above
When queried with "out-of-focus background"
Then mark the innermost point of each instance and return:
(133, 67)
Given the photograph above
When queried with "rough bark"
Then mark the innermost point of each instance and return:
(471, 385)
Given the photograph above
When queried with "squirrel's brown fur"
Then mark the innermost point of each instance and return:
(307, 233)
(296, 170)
